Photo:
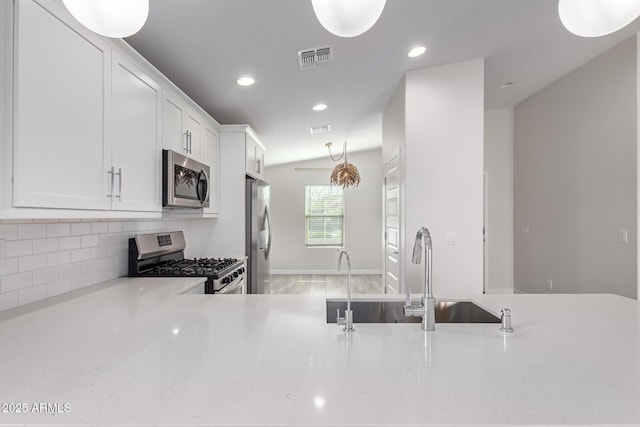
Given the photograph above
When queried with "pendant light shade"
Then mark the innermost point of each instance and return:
(348, 18)
(110, 18)
(595, 18)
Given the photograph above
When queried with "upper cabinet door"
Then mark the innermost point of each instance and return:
(61, 122)
(173, 134)
(136, 155)
(193, 124)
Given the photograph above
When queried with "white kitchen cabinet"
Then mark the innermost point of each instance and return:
(254, 156)
(134, 171)
(182, 127)
(210, 154)
(61, 113)
(84, 119)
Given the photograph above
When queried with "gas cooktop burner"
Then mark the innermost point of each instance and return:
(192, 267)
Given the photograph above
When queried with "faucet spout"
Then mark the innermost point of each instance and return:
(347, 320)
(427, 311)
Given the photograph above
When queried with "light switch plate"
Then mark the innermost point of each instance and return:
(3, 252)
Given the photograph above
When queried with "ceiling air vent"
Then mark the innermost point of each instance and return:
(310, 58)
(320, 129)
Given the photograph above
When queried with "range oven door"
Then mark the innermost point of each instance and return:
(235, 287)
(185, 182)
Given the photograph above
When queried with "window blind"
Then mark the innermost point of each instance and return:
(324, 215)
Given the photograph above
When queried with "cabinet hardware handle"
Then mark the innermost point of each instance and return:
(186, 142)
(190, 140)
(112, 179)
(119, 196)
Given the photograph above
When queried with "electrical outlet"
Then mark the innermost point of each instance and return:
(450, 238)
(623, 236)
(3, 252)
(550, 284)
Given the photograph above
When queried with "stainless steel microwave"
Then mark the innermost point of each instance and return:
(185, 182)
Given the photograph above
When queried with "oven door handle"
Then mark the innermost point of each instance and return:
(232, 287)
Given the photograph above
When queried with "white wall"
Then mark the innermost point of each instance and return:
(6, 157)
(575, 179)
(48, 258)
(363, 217)
(498, 167)
(444, 173)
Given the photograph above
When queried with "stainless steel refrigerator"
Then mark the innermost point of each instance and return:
(258, 235)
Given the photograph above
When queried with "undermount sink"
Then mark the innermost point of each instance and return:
(392, 312)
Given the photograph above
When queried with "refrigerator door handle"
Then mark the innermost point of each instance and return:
(267, 220)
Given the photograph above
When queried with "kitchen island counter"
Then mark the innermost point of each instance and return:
(137, 352)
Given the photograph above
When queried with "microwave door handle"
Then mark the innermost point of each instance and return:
(208, 181)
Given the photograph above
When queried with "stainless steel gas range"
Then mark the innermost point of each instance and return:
(162, 255)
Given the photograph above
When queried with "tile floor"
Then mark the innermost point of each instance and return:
(324, 284)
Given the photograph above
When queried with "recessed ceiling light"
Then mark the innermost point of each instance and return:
(245, 81)
(319, 107)
(416, 51)
(505, 85)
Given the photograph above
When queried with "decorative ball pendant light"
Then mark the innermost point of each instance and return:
(595, 18)
(348, 18)
(344, 174)
(110, 18)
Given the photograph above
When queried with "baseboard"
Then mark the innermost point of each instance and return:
(324, 272)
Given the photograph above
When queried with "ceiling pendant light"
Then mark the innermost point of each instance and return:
(110, 18)
(348, 18)
(595, 18)
(345, 173)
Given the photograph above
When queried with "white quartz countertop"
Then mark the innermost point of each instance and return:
(136, 352)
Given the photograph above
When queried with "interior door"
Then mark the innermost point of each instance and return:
(392, 264)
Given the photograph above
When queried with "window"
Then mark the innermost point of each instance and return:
(324, 211)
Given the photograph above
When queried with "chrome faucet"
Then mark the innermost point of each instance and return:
(427, 310)
(347, 320)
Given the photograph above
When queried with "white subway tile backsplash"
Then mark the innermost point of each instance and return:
(8, 231)
(115, 227)
(18, 248)
(35, 293)
(31, 262)
(8, 300)
(49, 257)
(32, 231)
(67, 243)
(45, 275)
(58, 287)
(101, 276)
(99, 227)
(90, 266)
(99, 252)
(70, 270)
(82, 281)
(90, 241)
(58, 258)
(58, 230)
(10, 267)
(16, 282)
(80, 228)
(41, 246)
(78, 255)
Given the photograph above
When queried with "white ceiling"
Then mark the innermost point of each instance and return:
(205, 45)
